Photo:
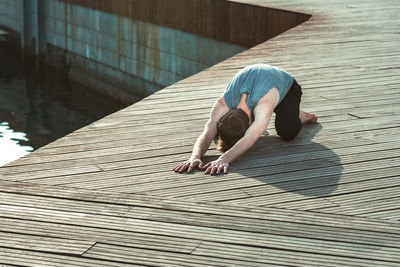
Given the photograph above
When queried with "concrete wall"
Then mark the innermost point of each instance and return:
(9, 14)
(128, 48)
(158, 56)
(110, 51)
(228, 21)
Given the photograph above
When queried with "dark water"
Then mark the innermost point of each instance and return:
(37, 108)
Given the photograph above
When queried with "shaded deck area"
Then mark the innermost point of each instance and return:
(105, 195)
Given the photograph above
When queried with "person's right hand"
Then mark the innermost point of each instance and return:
(189, 165)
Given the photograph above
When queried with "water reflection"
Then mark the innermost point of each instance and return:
(11, 144)
(37, 108)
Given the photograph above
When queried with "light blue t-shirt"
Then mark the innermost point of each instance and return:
(256, 81)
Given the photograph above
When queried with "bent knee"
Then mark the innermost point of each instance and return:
(287, 137)
(288, 133)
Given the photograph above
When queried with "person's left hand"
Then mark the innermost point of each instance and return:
(216, 167)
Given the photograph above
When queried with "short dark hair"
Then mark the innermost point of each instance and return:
(231, 127)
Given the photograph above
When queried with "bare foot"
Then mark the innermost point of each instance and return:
(307, 117)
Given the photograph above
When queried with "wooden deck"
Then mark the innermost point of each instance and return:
(105, 195)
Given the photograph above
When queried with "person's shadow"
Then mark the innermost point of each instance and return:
(300, 166)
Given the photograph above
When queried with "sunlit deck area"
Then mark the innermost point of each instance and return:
(106, 195)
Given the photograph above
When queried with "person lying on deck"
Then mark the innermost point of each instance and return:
(241, 115)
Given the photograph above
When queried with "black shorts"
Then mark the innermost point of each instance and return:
(287, 121)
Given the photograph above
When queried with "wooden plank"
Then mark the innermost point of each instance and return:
(197, 228)
(258, 256)
(392, 214)
(310, 204)
(16, 257)
(95, 234)
(91, 143)
(370, 207)
(169, 138)
(265, 256)
(272, 174)
(229, 229)
(261, 197)
(136, 159)
(44, 244)
(342, 128)
(160, 258)
(64, 204)
(207, 208)
(345, 58)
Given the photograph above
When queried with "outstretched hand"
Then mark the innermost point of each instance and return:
(216, 167)
(189, 165)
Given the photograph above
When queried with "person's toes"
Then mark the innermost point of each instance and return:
(314, 119)
(310, 118)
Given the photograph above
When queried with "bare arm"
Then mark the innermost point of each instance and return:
(204, 140)
(263, 115)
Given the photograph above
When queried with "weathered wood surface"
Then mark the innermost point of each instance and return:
(52, 226)
(328, 198)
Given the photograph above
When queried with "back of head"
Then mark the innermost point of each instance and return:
(231, 127)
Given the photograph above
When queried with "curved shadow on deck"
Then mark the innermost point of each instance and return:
(300, 166)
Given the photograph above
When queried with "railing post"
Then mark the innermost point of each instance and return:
(33, 34)
(22, 24)
(40, 33)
